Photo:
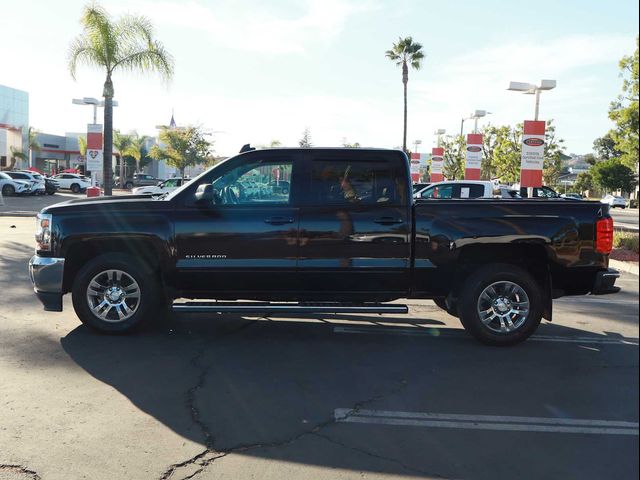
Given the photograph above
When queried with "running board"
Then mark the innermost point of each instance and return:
(267, 308)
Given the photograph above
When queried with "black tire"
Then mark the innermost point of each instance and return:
(442, 303)
(8, 190)
(469, 303)
(75, 188)
(150, 291)
(128, 185)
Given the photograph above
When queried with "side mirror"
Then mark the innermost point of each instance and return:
(159, 184)
(204, 194)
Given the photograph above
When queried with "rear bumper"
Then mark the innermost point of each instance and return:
(605, 282)
(46, 274)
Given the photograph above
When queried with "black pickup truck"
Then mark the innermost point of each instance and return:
(345, 236)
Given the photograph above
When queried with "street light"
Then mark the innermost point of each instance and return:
(92, 101)
(438, 133)
(531, 89)
(474, 116)
(416, 144)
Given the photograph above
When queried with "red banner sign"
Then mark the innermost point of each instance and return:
(437, 162)
(415, 167)
(533, 141)
(474, 157)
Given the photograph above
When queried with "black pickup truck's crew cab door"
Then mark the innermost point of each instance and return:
(355, 225)
(245, 241)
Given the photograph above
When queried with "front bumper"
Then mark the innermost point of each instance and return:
(605, 282)
(46, 274)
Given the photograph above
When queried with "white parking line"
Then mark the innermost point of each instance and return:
(487, 422)
(587, 300)
(437, 333)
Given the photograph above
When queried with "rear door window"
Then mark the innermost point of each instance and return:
(349, 181)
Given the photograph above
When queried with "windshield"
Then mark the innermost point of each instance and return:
(187, 182)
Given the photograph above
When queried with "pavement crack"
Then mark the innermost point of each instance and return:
(210, 454)
(409, 468)
(190, 401)
(19, 469)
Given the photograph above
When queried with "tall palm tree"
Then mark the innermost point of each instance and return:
(406, 52)
(124, 44)
(137, 149)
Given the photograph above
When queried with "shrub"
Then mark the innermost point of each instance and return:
(626, 240)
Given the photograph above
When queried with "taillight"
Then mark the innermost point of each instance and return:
(604, 235)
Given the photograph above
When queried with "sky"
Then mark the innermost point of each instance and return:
(251, 71)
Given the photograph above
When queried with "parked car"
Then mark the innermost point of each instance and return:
(615, 201)
(138, 180)
(168, 185)
(574, 196)
(9, 186)
(72, 181)
(346, 238)
(538, 192)
(35, 180)
(51, 185)
(465, 189)
(416, 187)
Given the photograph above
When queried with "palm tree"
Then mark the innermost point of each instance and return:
(15, 155)
(137, 149)
(121, 142)
(34, 146)
(406, 52)
(124, 44)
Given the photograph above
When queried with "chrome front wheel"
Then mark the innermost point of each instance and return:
(113, 295)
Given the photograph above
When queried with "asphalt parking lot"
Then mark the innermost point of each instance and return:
(340, 397)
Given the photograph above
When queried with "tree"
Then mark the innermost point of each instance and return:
(613, 175)
(406, 52)
(346, 144)
(121, 142)
(455, 149)
(491, 138)
(624, 112)
(584, 182)
(305, 140)
(15, 154)
(182, 147)
(275, 143)
(34, 145)
(137, 149)
(605, 147)
(506, 154)
(125, 44)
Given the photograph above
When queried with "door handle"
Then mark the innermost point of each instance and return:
(278, 220)
(388, 221)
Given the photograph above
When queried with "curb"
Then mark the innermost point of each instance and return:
(18, 214)
(628, 267)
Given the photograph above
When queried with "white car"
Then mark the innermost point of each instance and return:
(35, 180)
(72, 181)
(168, 185)
(465, 189)
(9, 186)
(614, 201)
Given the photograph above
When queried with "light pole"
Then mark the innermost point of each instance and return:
(531, 89)
(416, 144)
(474, 116)
(438, 133)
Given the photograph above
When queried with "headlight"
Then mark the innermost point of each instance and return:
(43, 231)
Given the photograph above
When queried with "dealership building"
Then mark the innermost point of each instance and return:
(14, 125)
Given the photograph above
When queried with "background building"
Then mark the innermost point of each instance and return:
(14, 124)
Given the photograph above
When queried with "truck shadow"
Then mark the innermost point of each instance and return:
(269, 389)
